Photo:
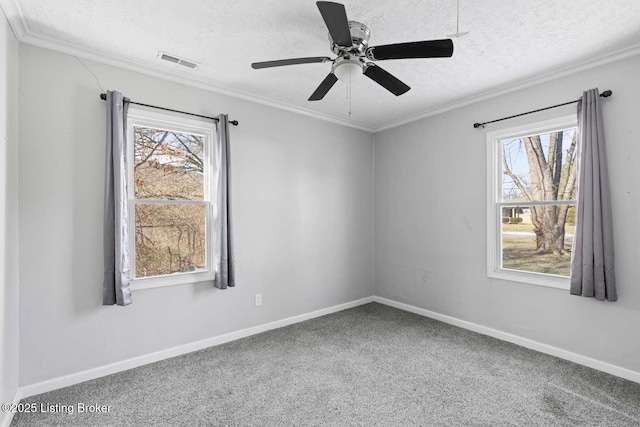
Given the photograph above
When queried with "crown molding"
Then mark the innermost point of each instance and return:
(179, 77)
(21, 30)
(557, 73)
(15, 17)
(24, 35)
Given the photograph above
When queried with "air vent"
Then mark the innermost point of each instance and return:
(188, 63)
(177, 60)
(169, 58)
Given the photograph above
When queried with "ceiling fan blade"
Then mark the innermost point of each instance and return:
(386, 80)
(293, 61)
(424, 49)
(324, 87)
(335, 16)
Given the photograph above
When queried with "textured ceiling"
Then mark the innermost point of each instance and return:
(509, 41)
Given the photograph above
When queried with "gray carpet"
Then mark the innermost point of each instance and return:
(371, 365)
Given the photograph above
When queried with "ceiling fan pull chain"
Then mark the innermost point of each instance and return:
(349, 95)
(346, 89)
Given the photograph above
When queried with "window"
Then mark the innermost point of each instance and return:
(170, 165)
(532, 184)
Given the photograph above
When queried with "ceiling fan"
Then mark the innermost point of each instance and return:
(349, 40)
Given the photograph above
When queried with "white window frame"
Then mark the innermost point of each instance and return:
(495, 204)
(206, 129)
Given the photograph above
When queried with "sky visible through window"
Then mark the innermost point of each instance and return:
(516, 157)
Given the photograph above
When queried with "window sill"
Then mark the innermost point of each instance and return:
(538, 279)
(171, 280)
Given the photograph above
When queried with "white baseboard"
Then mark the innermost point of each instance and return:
(7, 417)
(515, 339)
(101, 371)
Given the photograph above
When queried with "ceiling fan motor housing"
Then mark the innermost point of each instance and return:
(360, 34)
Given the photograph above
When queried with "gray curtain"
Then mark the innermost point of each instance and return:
(225, 262)
(115, 287)
(592, 263)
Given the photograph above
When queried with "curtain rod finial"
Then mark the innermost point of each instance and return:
(606, 94)
(103, 96)
(477, 125)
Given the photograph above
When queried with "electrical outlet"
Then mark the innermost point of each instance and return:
(258, 299)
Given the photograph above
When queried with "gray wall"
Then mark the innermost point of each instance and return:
(8, 213)
(431, 215)
(303, 196)
(302, 193)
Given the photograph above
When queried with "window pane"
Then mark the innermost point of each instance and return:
(169, 239)
(531, 244)
(540, 167)
(168, 165)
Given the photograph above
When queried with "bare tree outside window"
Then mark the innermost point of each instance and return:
(539, 195)
(170, 218)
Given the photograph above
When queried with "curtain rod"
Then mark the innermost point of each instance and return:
(605, 94)
(103, 96)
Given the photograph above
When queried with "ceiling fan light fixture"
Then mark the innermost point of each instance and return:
(348, 70)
